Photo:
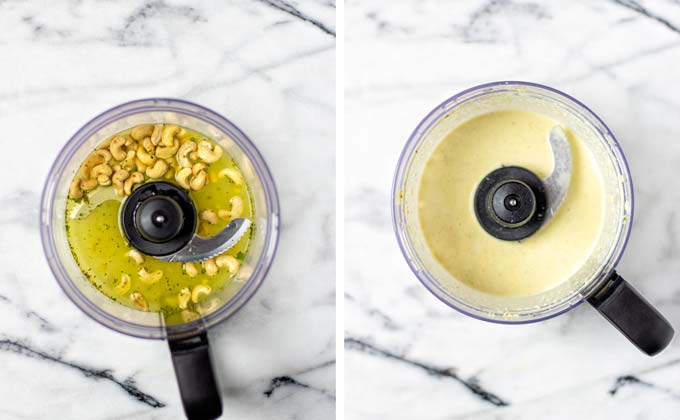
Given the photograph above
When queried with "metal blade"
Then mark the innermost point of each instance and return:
(557, 183)
(200, 248)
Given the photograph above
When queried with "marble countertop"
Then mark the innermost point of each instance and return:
(269, 66)
(409, 356)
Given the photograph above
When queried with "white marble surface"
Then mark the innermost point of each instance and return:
(408, 356)
(267, 65)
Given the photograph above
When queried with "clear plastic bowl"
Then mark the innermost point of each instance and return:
(570, 113)
(158, 110)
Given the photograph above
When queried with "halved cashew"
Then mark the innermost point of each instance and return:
(190, 269)
(184, 297)
(116, 147)
(189, 316)
(199, 290)
(147, 145)
(150, 278)
(235, 211)
(209, 216)
(129, 162)
(233, 174)
(182, 177)
(183, 152)
(156, 134)
(163, 151)
(135, 178)
(199, 181)
(74, 190)
(209, 152)
(136, 256)
(204, 309)
(228, 261)
(123, 285)
(104, 154)
(145, 157)
(210, 266)
(117, 179)
(158, 170)
(139, 301)
(88, 184)
(168, 136)
(197, 168)
(141, 131)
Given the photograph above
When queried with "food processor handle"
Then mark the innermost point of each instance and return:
(195, 376)
(632, 315)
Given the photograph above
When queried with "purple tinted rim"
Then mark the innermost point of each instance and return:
(262, 266)
(414, 139)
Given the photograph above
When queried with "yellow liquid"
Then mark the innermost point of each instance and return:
(100, 248)
(473, 256)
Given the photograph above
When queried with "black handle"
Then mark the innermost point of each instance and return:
(195, 376)
(632, 315)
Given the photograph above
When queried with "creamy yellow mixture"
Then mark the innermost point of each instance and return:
(473, 256)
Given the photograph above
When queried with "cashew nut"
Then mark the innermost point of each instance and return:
(190, 269)
(117, 179)
(101, 169)
(144, 157)
(228, 261)
(204, 309)
(150, 278)
(168, 136)
(158, 170)
(124, 285)
(184, 297)
(135, 178)
(189, 316)
(163, 151)
(182, 177)
(199, 290)
(129, 162)
(199, 181)
(130, 143)
(147, 145)
(74, 190)
(116, 147)
(104, 154)
(141, 131)
(209, 216)
(235, 211)
(136, 256)
(210, 267)
(139, 301)
(233, 174)
(182, 153)
(139, 165)
(88, 184)
(209, 152)
(197, 168)
(156, 134)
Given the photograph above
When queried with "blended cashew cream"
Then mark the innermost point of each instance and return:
(473, 256)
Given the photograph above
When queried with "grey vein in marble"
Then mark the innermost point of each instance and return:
(639, 9)
(471, 384)
(291, 10)
(128, 384)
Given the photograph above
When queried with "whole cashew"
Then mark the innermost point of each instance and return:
(209, 152)
(136, 256)
(129, 162)
(139, 301)
(197, 168)
(182, 177)
(199, 181)
(124, 285)
(117, 180)
(210, 266)
(156, 134)
(184, 297)
(168, 136)
(116, 147)
(199, 290)
(74, 190)
(209, 216)
(88, 184)
(158, 170)
(144, 157)
(213, 304)
(233, 174)
(150, 278)
(235, 211)
(163, 151)
(101, 169)
(182, 153)
(141, 131)
(228, 261)
(104, 154)
(139, 165)
(191, 269)
(135, 178)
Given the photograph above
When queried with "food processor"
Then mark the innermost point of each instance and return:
(167, 238)
(497, 205)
